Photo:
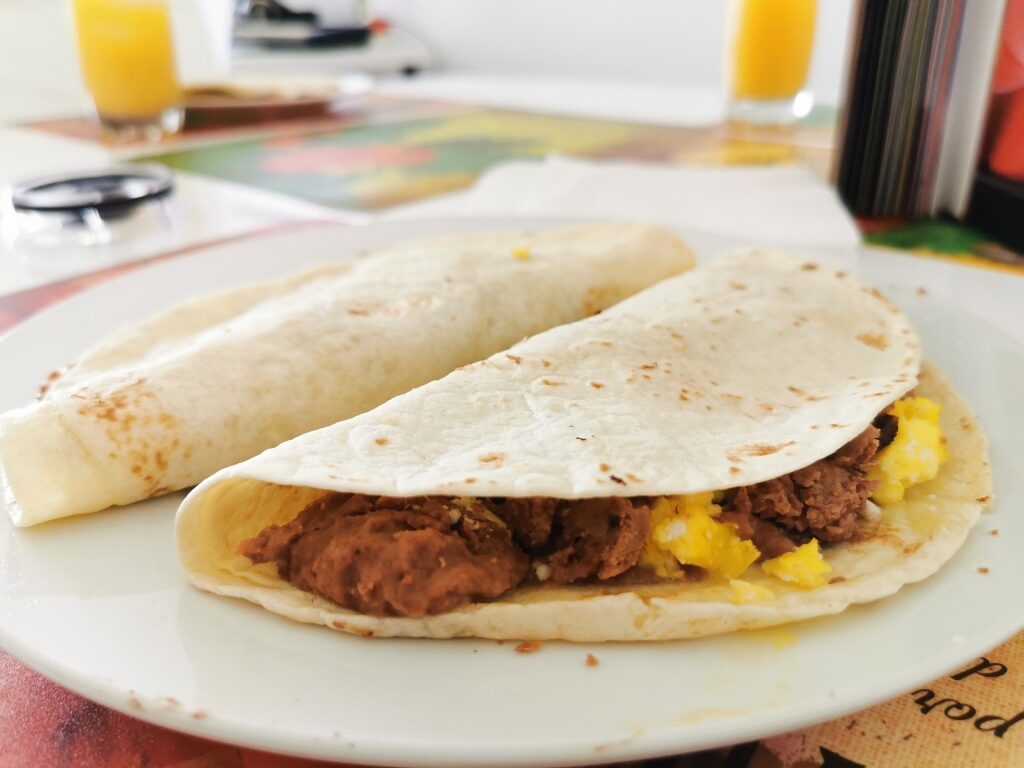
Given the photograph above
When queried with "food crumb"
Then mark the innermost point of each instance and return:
(982, 569)
(528, 646)
(592, 660)
(994, 532)
(922, 291)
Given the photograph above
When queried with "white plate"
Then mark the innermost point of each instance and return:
(100, 605)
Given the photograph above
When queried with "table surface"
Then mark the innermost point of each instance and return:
(42, 724)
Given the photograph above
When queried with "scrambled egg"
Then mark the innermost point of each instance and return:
(521, 252)
(804, 566)
(916, 453)
(684, 532)
(745, 592)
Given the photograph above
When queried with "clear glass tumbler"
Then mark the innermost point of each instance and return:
(768, 46)
(127, 56)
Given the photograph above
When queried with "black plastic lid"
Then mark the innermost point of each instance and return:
(110, 189)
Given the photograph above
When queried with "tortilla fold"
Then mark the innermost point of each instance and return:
(747, 369)
(162, 405)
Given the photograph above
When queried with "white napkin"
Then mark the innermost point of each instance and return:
(776, 206)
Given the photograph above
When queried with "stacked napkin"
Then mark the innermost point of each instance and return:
(716, 208)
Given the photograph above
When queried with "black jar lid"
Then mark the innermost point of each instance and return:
(113, 191)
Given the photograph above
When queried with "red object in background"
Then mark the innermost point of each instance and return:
(1005, 144)
(45, 726)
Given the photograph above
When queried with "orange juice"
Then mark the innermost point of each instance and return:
(127, 57)
(768, 47)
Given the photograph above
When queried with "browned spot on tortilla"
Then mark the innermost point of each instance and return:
(677, 336)
(767, 407)
(872, 291)
(616, 479)
(528, 646)
(172, 702)
(596, 384)
(839, 426)
(912, 548)
(51, 377)
(358, 311)
(684, 394)
(581, 439)
(764, 449)
(837, 580)
(732, 397)
(515, 359)
(592, 660)
(604, 467)
(492, 458)
(634, 478)
(737, 286)
(605, 343)
(982, 569)
(878, 394)
(796, 390)
(469, 480)
(733, 457)
(734, 469)
(158, 491)
(841, 275)
(708, 407)
(965, 424)
(815, 426)
(645, 376)
(381, 441)
(546, 363)
(134, 703)
(199, 715)
(714, 347)
(815, 398)
(810, 266)
(552, 383)
(873, 340)
(994, 532)
(136, 469)
(649, 366)
(160, 459)
(717, 320)
(983, 499)
(737, 311)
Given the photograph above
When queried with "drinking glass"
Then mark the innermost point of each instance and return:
(127, 58)
(768, 47)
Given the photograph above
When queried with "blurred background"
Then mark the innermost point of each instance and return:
(642, 41)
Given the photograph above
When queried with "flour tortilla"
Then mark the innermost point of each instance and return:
(744, 370)
(163, 405)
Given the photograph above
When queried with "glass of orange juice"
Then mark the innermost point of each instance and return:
(768, 47)
(127, 57)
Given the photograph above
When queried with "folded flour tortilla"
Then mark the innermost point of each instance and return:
(162, 405)
(742, 371)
